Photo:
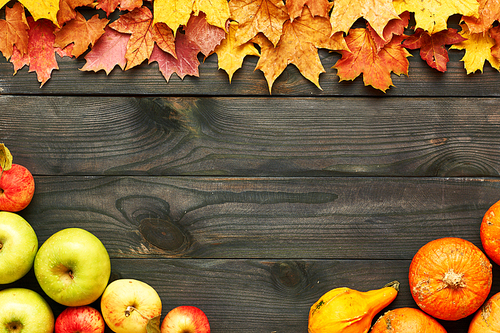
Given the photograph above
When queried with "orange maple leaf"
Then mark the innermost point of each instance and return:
(316, 7)
(299, 46)
(109, 6)
(81, 33)
(67, 10)
(495, 49)
(138, 23)
(14, 31)
(393, 28)
(377, 12)
(164, 38)
(432, 46)
(205, 36)
(489, 12)
(366, 58)
(254, 16)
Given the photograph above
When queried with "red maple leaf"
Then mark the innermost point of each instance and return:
(81, 33)
(187, 62)
(432, 46)
(108, 52)
(393, 28)
(204, 35)
(14, 31)
(109, 6)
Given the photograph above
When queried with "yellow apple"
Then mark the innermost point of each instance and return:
(127, 305)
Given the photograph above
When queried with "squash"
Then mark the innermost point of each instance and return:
(406, 320)
(490, 232)
(450, 278)
(487, 319)
(345, 310)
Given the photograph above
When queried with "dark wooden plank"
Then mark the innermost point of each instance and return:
(259, 295)
(147, 80)
(322, 218)
(253, 136)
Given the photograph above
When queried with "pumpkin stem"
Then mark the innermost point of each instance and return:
(453, 280)
(393, 284)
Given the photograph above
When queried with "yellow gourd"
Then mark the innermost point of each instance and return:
(344, 310)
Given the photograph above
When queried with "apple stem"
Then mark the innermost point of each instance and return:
(130, 309)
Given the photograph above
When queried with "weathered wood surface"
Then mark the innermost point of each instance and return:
(251, 205)
(241, 136)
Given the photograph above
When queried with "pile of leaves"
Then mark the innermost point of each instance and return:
(174, 33)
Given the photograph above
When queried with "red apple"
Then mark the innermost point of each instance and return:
(185, 319)
(80, 319)
(17, 187)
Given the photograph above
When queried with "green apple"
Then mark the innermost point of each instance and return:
(73, 267)
(18, 246)
(24, 310)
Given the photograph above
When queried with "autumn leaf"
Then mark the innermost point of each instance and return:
(187, 59)
(14, 31)
(109, 6)
(42, 56)
(108, 52)
(42, 9)
(254, 16)
(377, 12)
(299, 46)
(495, 34)
(216, 11)
(174, 13)
(489, 12)
(477, 48)
(81, 33)
(5, 158)
(164, 38)
(67, 10)
(204, 35)
(432, 46)
(395, 27)
(138, 23)
(432, 15)
(3, 3)
(231, 54)
(316, 7)
(375, 64)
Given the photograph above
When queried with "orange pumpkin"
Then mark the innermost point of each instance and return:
(490, 232)
(406, 320)
(487, 320)
(450, 278)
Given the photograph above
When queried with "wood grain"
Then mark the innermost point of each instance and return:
(287, 218)
(56, 135)
(147, 80)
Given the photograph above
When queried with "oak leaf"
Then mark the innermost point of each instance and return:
(231, 54)
(67, 10)
(489, 12)
(187, 62)
(108, 52)
(81, 33)
(42, 9)
(377, 12)
(375, 64)
(316, 7)
(432, 15)
(495, 34)
(204, 35)
(299, 45)
(477, 48)
(432, 46)
(14, 31)
(254, 16)
(138, 23)
(109, 6)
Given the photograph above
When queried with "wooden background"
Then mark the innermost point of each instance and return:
(250, 205)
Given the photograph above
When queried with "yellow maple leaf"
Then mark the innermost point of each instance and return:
(230, 53)
(3, 3)
(40, 9)
(216, 11)
(173, 13)
(432, 15)
(477, 50)
(377, 12)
